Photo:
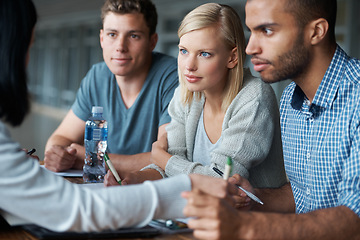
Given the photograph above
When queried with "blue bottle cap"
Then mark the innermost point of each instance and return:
(97, 109)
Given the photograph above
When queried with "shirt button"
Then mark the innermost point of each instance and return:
(308, 155)
(311, 119)
(308, 191)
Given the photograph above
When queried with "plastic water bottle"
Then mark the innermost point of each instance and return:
(95, 142)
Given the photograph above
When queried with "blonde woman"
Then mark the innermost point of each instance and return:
(219, 110)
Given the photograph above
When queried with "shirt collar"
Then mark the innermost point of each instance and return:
(326, 93)
(297, 98)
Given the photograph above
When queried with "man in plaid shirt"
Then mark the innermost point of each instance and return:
(320, 122)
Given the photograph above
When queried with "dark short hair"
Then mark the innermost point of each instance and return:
(144, 7)
(17, 21)
(308, 10)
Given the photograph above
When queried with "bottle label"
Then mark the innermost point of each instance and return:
(96, 134)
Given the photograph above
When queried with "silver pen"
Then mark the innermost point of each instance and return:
(251, 195)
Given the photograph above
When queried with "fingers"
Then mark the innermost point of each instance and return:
(243, 182)
(57, 158)
(240, 181)
(200, 204)
(236, 179)
(204, 229)
(124, 182)
(71, 150)
(242, 203)
(109, 180)
(80, 150)
(214, 186)
(211, 217)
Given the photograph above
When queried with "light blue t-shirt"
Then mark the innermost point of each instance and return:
(130, 130)
(203, 147)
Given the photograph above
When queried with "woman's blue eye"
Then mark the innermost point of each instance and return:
(183, 51)
(205, 54)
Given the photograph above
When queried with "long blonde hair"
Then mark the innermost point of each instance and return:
(229, 23)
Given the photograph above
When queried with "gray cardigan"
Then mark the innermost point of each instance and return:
(250, 136)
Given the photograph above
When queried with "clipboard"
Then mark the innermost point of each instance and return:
(43, 233)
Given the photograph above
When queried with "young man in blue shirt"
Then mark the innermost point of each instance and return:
(134, 85)
(320, 122)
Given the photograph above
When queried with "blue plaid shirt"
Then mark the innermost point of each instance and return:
(321, 140)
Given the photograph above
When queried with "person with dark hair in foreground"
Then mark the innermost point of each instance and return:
(29, 193)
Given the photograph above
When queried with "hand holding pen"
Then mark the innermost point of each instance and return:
(228, 168)
(112, 169)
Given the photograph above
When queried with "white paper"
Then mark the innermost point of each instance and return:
(67, 173)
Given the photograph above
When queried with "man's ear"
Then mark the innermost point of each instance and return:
(233, 60)
(101, 37)
(318, 30)
(153, 41)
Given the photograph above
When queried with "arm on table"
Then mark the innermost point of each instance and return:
(60, 154)
(126, 164)
(159, 154)
(132, 177)
(216, 218)
(275, 199)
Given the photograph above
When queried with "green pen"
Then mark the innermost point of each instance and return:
(228, 168)
(112, 168)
